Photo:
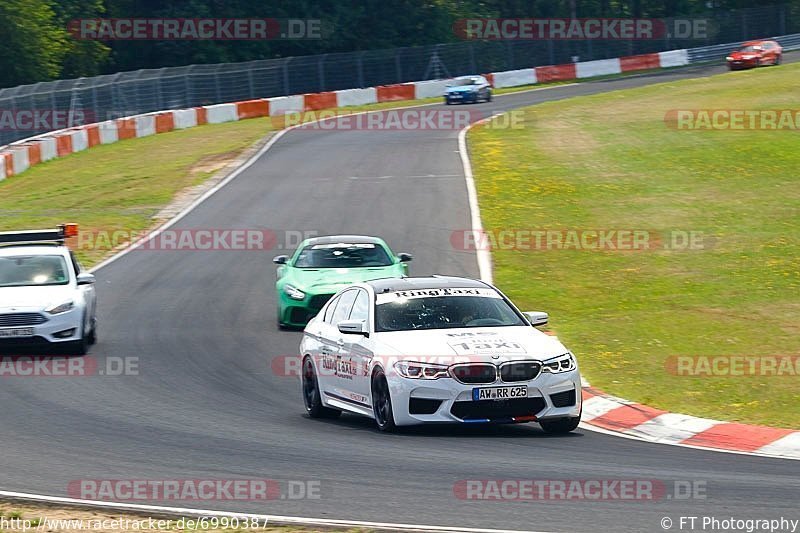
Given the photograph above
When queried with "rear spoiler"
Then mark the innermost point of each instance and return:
(58, 235)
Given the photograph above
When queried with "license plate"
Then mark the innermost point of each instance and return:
(499, 393)
(16, 332)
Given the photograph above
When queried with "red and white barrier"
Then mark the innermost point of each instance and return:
(514, 78)
(286, 104)
(19, 156)
(430, 89)
(602, 67)
(353, 97)
(221, 113)
(673, 58)
(184, 118)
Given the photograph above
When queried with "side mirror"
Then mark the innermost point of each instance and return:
(404, 257)
(84, 278)
(353, 327)
(280, 259)
(536, 318)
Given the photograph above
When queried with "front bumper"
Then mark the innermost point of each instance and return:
(416, 401)
(739, 64)
(457, 98)
(297, 313)
(56, 329)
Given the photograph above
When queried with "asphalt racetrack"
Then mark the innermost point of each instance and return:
(208, 404)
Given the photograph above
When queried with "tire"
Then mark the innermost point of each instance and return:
(758, 62)
(92, 338)
(311, 396)
(778, 59)
(559, 426)
(489, 97)
(447, 101)
(382, 402)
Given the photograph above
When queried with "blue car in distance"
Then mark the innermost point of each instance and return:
(468, 89)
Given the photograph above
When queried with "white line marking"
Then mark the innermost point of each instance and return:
(271, 519)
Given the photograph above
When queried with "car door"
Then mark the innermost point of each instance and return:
(323, 346)
(336, 361)
(357, 351)
(88, 293)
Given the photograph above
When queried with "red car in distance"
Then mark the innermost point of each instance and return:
(755, 54)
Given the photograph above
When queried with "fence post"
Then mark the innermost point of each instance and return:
(321, 71)
(360, 69)
(159, 91)
(551, 52)
(472, 65)
(250, 83)
(216, 85)
(286, 77)
(188, 97)
(397, 65)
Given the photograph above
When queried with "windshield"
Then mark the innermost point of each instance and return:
(29, 270)
(484, 309)
(754, 48)
(343, 255)
(467, 81)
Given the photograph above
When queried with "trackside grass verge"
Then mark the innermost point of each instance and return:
(611, 162)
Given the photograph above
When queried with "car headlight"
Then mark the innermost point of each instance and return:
(729, 58)
(412, 370)
(293, 292)
(60, 308)
(557, 365)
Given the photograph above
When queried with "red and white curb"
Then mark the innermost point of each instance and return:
(625, 418)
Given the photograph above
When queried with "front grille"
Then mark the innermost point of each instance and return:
(563, 399)
(497, 409)
(21, 319)
(316, 302)
(423, 406)
(520, 371)
(475, 374)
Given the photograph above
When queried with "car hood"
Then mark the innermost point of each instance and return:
(744, 55)
(334, 279)
(471, 344)
(461, 88)
(33, 298)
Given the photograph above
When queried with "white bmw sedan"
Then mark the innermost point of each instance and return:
(407, 351)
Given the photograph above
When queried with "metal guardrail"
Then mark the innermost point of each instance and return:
(719, 51)
(129, 93)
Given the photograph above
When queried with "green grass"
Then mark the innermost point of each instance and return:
(609, 161)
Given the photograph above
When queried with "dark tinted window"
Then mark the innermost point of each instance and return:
(342, 256)
(444, 312)
(26, 270)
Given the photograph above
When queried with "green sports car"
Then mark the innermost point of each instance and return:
(321, 266)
